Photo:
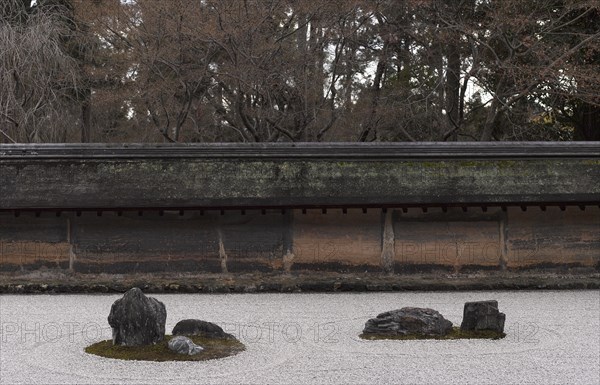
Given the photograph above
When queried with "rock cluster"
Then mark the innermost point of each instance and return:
(414, 321)
(483, 315)
(184, 345)
(137, 320)
(409, 321)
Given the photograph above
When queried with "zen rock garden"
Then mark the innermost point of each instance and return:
(481, 319)
(138, 330)
(138, 333)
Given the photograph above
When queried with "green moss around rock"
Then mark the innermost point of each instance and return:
(214, 348)
(455, 334)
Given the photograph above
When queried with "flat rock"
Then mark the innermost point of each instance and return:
(137, 320)
(196, 327)
(483, 315)
(409, 321)
(184, 345)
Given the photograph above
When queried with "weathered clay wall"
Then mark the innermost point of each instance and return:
(334, 240)
(299, 207)
(349, 240)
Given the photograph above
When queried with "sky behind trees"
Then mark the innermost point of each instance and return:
(299, 70)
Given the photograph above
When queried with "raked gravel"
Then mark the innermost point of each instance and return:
(553, 338)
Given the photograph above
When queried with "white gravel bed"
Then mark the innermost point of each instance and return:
(553, 338)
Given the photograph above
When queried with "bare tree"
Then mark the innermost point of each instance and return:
(516, 57)
(299, 70)
(35, 73)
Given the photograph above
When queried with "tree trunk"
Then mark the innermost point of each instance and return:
(490, 122)
(86, 116)
(453, 87)
(377, 81)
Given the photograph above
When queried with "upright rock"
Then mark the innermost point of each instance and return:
(483, 315)
(196, 327)
(409, 321)
(137, 320)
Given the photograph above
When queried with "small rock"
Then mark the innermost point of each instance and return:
(408, 321)
(196, 327)
(137, 320)
(184, 345)
(483, 315)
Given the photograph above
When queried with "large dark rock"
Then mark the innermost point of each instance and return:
(483, 315)
(409, 321)
(196, 327)
(137, 320)
(184, 345)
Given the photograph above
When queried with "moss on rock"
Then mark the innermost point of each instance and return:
(455, 334)
(214, 348)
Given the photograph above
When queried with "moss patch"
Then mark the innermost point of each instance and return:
(213, 348)
(455, 334)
